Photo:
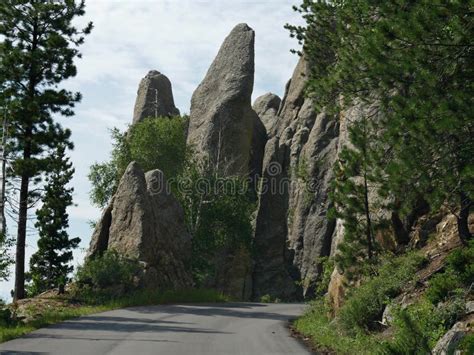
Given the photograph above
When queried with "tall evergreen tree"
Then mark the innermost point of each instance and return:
(38, 51)
(49, 266)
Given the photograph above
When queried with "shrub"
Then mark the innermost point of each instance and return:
(466, 346)
(266, 299)
(5, 315)
(421, 325)
(327, 267)
(461, 262)
(459, 272)
(364, 306)
(327, 335)
(442, 286)
(107, 276)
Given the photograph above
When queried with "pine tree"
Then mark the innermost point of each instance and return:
(352, 190)
(49, 266)
(38, 51)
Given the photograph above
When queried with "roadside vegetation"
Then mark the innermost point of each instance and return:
(413, 328)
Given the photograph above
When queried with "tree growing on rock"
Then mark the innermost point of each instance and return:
(50, 265)
(39, 45)
(154, 143)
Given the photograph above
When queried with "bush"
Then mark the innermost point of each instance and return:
(442, 286)
(327, 267)
(461, 263)
(459, 272)
(364, 306)
(107, 276)
(421, 325)
(466, 346)
(5, 315)
(327, 335)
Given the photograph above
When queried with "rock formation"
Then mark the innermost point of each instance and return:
(146, 222)
(222, 120)
(154, 97)
(292, 228)
(266, 107)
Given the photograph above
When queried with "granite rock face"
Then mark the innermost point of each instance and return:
(221, 117)
(266, 107)
(292, 227)
(146, 222)
(154, 98)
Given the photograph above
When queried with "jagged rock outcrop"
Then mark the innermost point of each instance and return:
(154, 97)
(292, 228)
(266, 107)
(145, 221)
(222, 120)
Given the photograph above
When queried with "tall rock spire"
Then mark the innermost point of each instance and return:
(222, 119)
(154, 97)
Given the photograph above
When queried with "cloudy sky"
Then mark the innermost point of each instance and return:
(179, 38)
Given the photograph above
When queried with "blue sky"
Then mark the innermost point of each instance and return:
(179, 38)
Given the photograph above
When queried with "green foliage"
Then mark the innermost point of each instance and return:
(442, 286)
(155, 143)
(459, 273)
(466, 345)
(6, 259)
(327, 267)
(218, 213)
(103, 178)
(355, 329)
(107, 276)
(461, 263)
(269, 299)
(354, 176)
(327, 334)
(159, 143)
(5, 315)
(364, 306)
(419, 326)
(49, 265)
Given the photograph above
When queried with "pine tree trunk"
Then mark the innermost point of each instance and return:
(3, 222)
(19, 292)
(463, 223)
(368, 219)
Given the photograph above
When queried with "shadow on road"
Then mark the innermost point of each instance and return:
(239, 310)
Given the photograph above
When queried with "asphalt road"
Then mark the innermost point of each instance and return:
(224, 329)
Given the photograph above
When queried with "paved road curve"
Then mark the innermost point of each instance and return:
(223, 329)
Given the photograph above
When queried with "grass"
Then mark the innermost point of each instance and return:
(89, 306)
(327, 335)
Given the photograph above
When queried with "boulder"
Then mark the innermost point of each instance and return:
(146, 222)
(336, 290)
(221, 118)
(450, 340)
(154, 97)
